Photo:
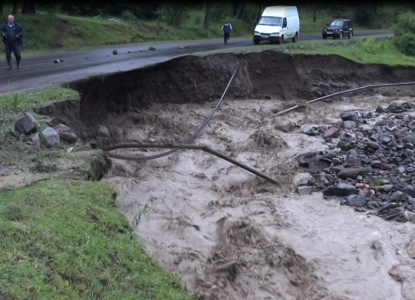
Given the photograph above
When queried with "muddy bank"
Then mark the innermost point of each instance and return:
(263, 75)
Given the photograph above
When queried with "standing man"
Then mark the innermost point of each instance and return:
(227, 29)
(12, 35)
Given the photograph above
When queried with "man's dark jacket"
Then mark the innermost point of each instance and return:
(18, 30)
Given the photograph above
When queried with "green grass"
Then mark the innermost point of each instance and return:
(367, 50)
(379, 50)
(65, 239)
(28, 100)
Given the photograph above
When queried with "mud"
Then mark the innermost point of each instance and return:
(231, 235)
(264, 75)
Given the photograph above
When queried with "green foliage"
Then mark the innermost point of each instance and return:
(27, 100)
(63, 239)
(406, 43)
(405, 34)
(365, 14)
(405, 24)
(372, 46)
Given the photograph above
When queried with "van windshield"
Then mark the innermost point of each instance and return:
(337, 23)
(270, 21)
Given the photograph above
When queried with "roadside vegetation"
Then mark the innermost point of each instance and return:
(379, 50)
(78, 24)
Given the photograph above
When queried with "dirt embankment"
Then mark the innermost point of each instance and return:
(264, 75)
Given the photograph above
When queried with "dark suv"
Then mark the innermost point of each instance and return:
(338, 29)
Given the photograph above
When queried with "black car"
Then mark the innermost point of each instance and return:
(338, 29)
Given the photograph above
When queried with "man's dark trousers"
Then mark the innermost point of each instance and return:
(226, 36)
(12, 47)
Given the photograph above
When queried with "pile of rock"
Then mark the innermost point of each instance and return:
(370, 161)
(27, 129)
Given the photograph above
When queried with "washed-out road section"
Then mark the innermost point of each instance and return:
(40, 70)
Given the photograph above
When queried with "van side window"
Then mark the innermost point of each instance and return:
(284, 23)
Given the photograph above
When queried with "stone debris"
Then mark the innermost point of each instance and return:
(371, 163)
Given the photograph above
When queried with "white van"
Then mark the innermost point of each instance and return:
(278, 24)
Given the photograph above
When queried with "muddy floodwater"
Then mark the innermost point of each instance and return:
(231, 235)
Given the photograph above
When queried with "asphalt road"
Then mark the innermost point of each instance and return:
(40, 71)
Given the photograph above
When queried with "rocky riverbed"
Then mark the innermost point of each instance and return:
(369, 161)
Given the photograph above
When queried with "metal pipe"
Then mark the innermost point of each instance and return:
(182, 147)
(205, 123)
(345, 92)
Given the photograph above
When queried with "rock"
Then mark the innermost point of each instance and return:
(381, 165)
(311, 130)
(302, 179)
(332, 132)
(26, 124)
(50, 137)
(318, 164)
(395, 108)
(34, 139)
(402, 169)
(410, 169)
(409, 139)
(396, 196)
(356, 200)
(305, 190)
(305, 159)
(386, 138)
(372, 145)
(66, 134)
(341, 190)
(349, 124)
(380, 110)
(352, 173)
(151, 48)
(115, 52)
(410, 190)
(351, 116)
(103, 131)
(354, 162)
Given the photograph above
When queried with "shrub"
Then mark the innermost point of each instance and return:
(406, 43)
(405, 24)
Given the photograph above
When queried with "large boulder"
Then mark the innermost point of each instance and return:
(66, 134)
(26, 124)
(50, 137)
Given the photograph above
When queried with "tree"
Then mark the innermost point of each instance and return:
(208, 14)
(177, 16)
(235, 8)
(1, 7)
(241, 9)
(14, 10)
(259, 12)
(314, 11)
(29, 7)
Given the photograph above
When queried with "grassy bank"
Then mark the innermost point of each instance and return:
(364, 50)
(23, 101)
(66, 239)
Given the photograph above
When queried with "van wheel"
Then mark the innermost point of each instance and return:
(295, 37)
(281, 40)
(256, 42)
(349, 35)
(324, 37)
